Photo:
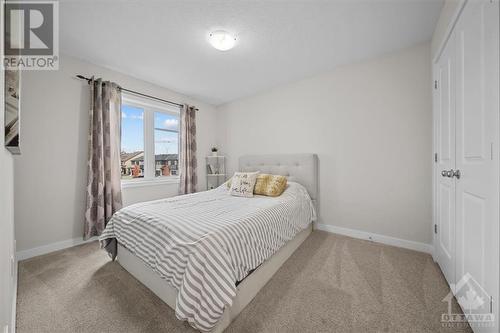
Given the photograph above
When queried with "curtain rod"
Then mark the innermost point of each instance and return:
(81, 77)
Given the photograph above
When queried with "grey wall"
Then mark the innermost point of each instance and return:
(51, 173)
(369, 122)
(371, 125)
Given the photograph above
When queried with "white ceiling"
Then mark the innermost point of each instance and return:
(165, 42)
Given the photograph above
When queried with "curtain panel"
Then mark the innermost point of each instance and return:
(104, 196)
(188, 163)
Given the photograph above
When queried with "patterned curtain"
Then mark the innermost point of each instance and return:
(188, 161)
(103, 183)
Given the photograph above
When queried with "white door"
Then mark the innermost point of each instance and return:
(445, 140)
(477, 131)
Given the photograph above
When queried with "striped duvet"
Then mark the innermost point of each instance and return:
(203, 243)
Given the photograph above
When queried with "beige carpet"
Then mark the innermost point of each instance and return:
(330, 284)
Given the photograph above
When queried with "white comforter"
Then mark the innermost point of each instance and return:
(203, 243)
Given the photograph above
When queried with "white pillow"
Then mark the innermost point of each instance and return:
(242, 184)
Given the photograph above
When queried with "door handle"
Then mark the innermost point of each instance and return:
(451, 173)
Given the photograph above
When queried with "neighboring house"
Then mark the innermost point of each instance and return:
(137, 165)
(167, 165)
(130, 162)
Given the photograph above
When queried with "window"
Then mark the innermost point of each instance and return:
(132, 150)
(150, 141)
(166, 144)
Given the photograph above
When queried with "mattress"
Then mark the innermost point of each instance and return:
(203, 243)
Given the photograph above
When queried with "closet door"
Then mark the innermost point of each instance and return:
(477, 131)
(445, 187)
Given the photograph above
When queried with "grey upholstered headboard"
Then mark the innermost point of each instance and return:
(300, 168)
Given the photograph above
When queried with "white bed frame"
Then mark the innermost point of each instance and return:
(302, 168)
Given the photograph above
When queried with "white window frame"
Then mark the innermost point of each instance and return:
(149, 108)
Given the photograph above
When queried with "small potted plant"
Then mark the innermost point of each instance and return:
(214, 151)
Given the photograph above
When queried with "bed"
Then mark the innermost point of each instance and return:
(208, 254)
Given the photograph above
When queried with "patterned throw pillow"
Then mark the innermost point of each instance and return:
(270, 185)
(242, 184)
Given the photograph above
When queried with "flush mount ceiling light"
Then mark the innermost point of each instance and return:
(222, 40)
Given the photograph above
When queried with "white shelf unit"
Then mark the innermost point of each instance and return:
(216, 171)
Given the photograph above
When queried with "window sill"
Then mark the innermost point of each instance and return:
(149, 182)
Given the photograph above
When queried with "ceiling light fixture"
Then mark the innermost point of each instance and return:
(222, 40)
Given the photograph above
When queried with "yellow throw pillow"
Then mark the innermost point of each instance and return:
(269, 185)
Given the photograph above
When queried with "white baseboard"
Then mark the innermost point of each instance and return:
(44, 249)
(407, 244)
